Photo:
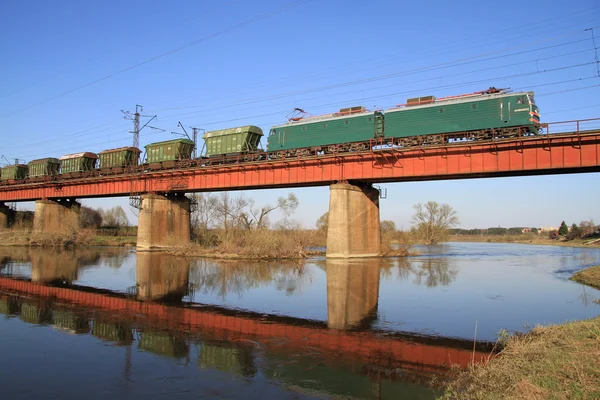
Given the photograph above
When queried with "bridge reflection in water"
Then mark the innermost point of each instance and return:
(342, 356)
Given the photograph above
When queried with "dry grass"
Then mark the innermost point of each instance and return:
(554, 362)
(255, 244)
(589, 276)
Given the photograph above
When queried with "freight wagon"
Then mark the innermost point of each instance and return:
(116, 160)
(165, 154)
(14, 172)
(78, 162)
(240, 140)
(45, 167)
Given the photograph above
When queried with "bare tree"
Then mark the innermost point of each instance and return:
(587, 227)
(206, 213)
(432, 221)
(90, 218)
(287, 205)
(387, 226)
(229, 210)
(114, 217)
(323, 222)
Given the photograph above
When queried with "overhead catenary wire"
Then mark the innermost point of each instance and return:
(164, 54)
(375, 97)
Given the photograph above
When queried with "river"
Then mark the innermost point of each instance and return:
(103, 322)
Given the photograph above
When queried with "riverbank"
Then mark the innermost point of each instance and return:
(81, 239)
(589, 276)
(550, 362)
(523, 239)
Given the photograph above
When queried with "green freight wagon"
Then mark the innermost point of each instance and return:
(8, 306)
(163, 344)
(112, 332)
(227, 358)
(16, 171)
(478, 111)
(119, 158)
(243, 139)
(171, 150)
(35, 313)
(44, 167)
(70, 321)
(354, 124)
(78, 162)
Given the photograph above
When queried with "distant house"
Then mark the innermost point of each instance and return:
(526, 230)
(547, 229)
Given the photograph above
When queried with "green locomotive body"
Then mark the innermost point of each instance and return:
(240, 140)
(44, 167)
(78, 162)
(170, 150)
(349, 125)
(15, 171)
(119, 158)
(476, 112)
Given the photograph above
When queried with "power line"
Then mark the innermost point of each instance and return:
(167, 53)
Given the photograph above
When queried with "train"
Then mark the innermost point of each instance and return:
(490, 114)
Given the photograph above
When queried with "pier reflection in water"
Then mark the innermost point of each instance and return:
(342, 356)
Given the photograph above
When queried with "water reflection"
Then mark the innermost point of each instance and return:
(161, 277)
(352, 292)
(236, 277)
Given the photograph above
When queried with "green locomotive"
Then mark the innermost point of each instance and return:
(490, 114)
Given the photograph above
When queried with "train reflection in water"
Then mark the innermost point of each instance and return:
(342, 357)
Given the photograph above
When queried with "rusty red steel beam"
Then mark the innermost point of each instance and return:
(365, 345)
(548, 154)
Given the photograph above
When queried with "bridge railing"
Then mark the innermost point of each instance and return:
(577, 126)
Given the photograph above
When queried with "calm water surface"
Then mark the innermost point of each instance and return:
(109, 322)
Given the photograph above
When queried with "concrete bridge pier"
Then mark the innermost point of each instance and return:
(56, 216)
(352, 292)
(5, 216)
(353, 226)
(164, 222)
(160, 276)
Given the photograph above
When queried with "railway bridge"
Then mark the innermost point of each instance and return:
(164, 220)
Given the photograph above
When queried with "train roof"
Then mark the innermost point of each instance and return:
(188, 141)
(233, 131)
(431, 101)
(326, 117)
(43, 160)
(15, 165)
(130, 148)
(79, 155)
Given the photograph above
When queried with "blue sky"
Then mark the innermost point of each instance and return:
(69, 67)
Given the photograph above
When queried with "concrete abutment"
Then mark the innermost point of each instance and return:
(56, 216)
(164, 222)
(353, 226)
(5, 216)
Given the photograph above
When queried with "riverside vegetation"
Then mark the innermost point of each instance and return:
(549, 362)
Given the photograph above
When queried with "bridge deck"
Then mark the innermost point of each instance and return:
(536, 155)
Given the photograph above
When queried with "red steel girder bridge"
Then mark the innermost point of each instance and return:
(552, 153)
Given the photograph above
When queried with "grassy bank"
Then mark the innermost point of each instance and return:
(523, 239)
(82, 238)
(550, 362)
(553, 362)
(589, 276)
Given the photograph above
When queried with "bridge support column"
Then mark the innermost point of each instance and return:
(353, 226)
(56, 216)
(352, 292)
(5, 216)
(164, 222)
